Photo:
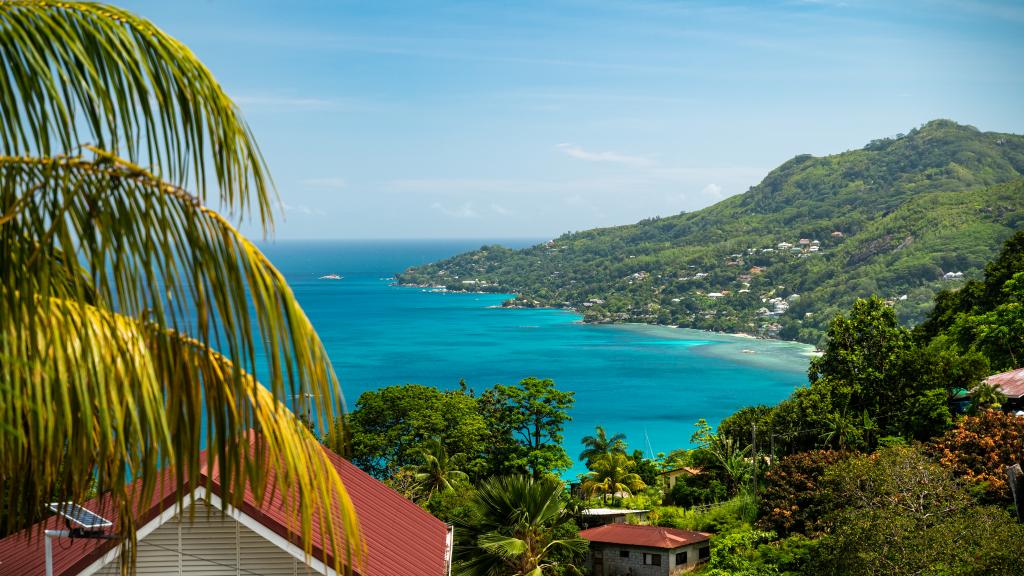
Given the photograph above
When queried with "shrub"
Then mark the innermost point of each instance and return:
(980, 448)
(791, 500)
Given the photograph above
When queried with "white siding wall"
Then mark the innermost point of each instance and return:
(209, 544)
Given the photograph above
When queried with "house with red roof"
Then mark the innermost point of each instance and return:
(627, 549)
(257, 537)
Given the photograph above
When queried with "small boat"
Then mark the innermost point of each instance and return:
(331, 277)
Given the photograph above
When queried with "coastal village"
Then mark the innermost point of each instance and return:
(737, 295)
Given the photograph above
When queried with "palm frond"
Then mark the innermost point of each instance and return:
(99, 396)
(150, 250)
(77, 73)
(149, 254)
(507, 547)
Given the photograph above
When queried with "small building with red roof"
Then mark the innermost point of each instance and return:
(257, 537)
(621, 549)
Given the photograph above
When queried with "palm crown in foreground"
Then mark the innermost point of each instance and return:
(515, 530)
(131, 315)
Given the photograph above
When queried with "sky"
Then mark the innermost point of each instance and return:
(530, 119)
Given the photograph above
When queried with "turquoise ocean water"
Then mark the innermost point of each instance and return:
(652, 383)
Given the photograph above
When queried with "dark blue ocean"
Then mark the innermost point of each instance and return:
(652, 383)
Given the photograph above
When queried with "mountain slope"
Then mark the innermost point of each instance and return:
(890, 219)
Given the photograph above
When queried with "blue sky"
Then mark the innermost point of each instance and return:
(528, 119)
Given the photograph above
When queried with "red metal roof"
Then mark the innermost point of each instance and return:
(650, 536)
(398, 536)
(1010, 383)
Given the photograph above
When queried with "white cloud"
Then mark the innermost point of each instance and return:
(499, 209)
(463, 211)
(713, 190)
(258, 101)
(302, 209)
(453, 185)
(325, 183)
(609, 157)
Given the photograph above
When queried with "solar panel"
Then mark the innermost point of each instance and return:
(80, 517)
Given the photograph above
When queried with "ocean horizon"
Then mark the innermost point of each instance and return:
(650, 382)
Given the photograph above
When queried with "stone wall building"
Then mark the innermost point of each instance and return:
(629, 550)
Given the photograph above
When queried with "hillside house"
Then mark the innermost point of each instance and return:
(625, 549)
(837, 234)
(208, 539)
(670, 477)
(784, 246)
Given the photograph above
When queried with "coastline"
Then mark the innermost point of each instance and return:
(811, 353)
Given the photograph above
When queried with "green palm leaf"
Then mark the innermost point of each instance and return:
(81, 73)
(131, 315)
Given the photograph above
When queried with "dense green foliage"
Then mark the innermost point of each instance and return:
(987, 316)
(900, 513)
(525, 423)
(390, 425)
(909, 209)
(873, 381)
(506, 430)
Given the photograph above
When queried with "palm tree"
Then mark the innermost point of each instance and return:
(131, 314)
(612, 473)
(600, 443)
(985, 395)
(514, 529)
(437, 472)
(840, 430)
(735, 461)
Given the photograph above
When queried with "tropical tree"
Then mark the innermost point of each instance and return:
(611, 473)
(132, 314)
(389, 425)
(437, 472)
(520, 527)
(985, 395)
(600, 443)
(526, 422)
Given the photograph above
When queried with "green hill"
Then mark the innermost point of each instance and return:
(892, 219)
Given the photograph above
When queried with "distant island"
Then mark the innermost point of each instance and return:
(902, 217)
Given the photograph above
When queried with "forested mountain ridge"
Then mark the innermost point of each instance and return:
(894, 218)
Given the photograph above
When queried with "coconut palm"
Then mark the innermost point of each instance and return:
(612, 473)
(132, 315)
(514, 529)
(985, 395)
(437, 473)
(600, 443)
(734, 460)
